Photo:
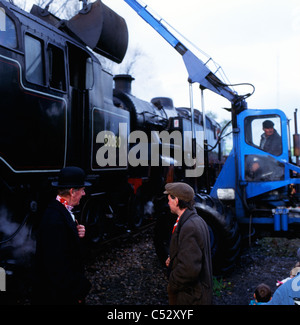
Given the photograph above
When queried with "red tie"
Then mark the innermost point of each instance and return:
(175, 225)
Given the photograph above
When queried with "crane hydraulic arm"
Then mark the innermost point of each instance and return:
(198, 71)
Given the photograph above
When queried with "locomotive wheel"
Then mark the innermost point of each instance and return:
(225, 237)
(136, 209)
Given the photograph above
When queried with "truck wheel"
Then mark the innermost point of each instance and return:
(224, 232)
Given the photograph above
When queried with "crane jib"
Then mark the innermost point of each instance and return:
(197, 69)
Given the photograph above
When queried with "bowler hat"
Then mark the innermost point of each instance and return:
(180, 190)
(71, 177)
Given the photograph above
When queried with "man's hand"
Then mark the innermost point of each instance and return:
(81, 230)
(168, 261)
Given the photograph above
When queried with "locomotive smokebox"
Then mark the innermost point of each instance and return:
(101, 29)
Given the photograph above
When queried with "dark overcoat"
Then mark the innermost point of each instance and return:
(59, 277)
(190, 280)
(273, 144)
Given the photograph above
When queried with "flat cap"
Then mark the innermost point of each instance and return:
(180, 190)
(267, 124)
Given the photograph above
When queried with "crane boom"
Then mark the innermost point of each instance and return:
(197, 70)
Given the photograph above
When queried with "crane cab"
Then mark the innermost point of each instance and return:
(263, 174)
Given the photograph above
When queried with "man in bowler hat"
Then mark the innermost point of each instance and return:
(60, 276)
(190, 281)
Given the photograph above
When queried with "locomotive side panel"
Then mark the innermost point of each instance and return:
(33, 124)
(110, 139)
(33, 119)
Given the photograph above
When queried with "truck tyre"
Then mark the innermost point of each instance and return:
(224, 233)
(225, 236)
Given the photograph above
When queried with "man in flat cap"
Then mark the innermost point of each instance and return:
(60, 278)
(190, 281)
(270, 139)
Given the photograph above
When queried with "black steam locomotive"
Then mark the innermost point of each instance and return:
(60, 108)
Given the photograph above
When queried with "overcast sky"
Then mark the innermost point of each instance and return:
(254, 41)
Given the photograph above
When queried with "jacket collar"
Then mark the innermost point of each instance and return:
(67, 216)
(185, 216)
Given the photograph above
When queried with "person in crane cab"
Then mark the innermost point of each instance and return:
(189, 263)
(270, 139)
(266, 168)
(59, 271)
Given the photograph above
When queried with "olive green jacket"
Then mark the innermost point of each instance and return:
(190, 279)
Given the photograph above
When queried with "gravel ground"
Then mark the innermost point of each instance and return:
(128, 272)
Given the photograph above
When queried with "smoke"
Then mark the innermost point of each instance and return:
(22, 244)
(149, 208)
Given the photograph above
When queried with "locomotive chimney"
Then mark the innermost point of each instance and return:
(123, 83)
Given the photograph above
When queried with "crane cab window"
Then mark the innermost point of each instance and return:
(264, 132)
(34, 60)
(8, 34)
